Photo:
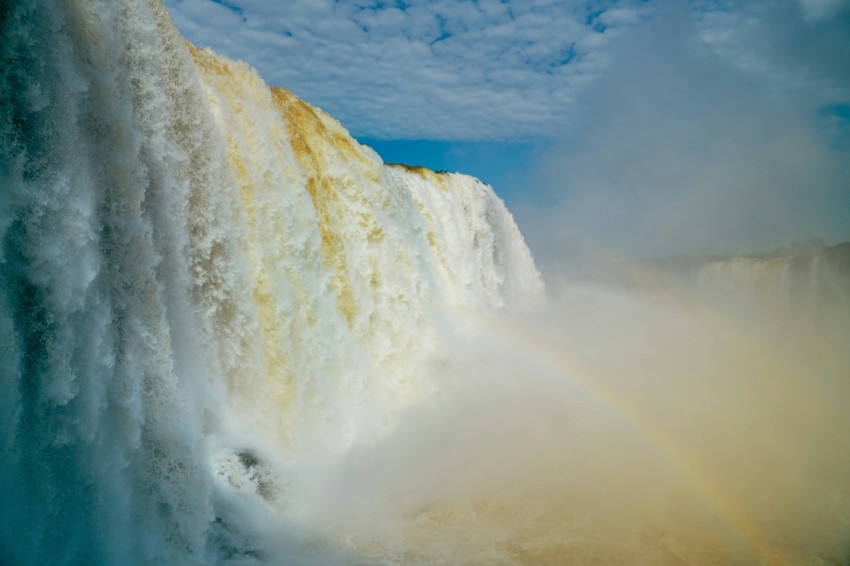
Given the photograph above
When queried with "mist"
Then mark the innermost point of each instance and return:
(710, 132)
(608, 425)
(636, 417)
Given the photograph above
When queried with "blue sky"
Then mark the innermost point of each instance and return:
(636, 126)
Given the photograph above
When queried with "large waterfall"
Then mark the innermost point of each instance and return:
(197, 269)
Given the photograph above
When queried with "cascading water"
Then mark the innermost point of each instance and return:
(195, 268)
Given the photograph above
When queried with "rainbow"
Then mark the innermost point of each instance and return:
(678, 456)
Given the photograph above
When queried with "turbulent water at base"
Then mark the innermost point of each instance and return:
(229, 334)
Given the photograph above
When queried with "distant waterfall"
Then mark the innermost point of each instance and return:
(811, 280)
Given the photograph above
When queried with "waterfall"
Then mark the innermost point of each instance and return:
(200, 274)
(813, 281)
(746, 279)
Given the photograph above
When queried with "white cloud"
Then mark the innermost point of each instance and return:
(498, 69)
(465, 70)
